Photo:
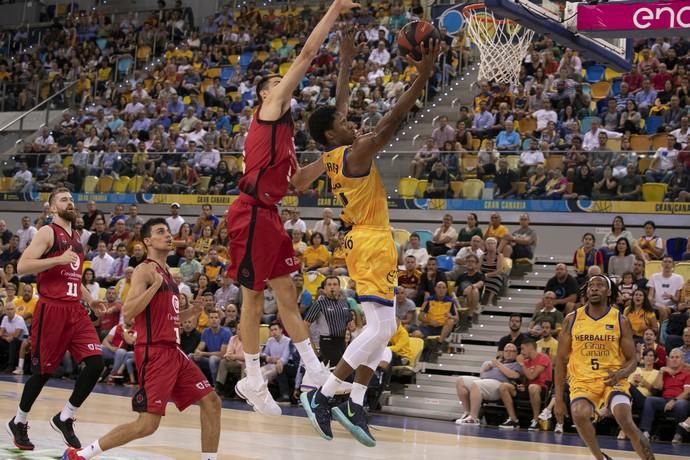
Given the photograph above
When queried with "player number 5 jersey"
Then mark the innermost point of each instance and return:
(596, 349)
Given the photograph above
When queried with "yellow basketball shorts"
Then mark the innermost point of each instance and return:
(372, 262)
(597, 392)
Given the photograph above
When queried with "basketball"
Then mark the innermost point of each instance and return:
(412, 35)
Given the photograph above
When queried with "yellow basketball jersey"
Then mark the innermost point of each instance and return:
(363, 198)
(596, 349)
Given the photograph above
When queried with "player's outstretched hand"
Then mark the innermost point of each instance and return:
(69, 257)
(98, 307)
(425, 66)
(346, 5)
(347, 44)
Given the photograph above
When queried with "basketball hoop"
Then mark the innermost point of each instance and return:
(502, 44)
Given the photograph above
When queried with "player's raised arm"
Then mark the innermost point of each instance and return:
(145, 283)
(31, 262)
(366, 147)
(347, 54)
(278, 100)
(564, 349)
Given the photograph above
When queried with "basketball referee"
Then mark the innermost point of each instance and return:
(331, 313)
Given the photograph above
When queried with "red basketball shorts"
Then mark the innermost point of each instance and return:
(59, 327)
(166, 374)
(260, 248)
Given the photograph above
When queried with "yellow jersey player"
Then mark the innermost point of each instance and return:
(371, 256)
(596, 346)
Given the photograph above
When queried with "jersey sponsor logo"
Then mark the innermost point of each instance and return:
(75, 265)
(176, 304)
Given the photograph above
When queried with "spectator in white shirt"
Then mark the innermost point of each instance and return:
(664, 289)
(198, 134)
(420, 254)
(207, 161)
(134, 107)
(102, 263)
(295, 222)
(663, 162)
(443, 133)
(374, 73)
(425, 157)
(174, 220)
(444, 237)
(26, 233)
(327, 226)
(681, 134)
(44, 141)
(590, 140)
(531, 158)
(12, 329)
(380, 55)
(395, 87)
(545, 115)
(23, 179)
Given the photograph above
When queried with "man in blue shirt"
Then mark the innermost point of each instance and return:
(214, 341)
(276, 354)
(508, 139)
(175, 108)
(645, 97)
(483, 121)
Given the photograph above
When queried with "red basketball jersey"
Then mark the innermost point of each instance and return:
(269, 159)
(62, 282)
(159, 323)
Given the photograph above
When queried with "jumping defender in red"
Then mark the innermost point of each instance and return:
(165, 372)
(260, 249)
(61, 322)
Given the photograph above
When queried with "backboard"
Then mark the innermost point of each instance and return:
(557, 20)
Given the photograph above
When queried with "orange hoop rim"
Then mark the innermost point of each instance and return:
(470, 13)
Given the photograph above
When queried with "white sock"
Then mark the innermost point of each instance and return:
(69, 411)
(90, 451)
(20, 365)
(309, 359)
(331, 386)
(253, 367)
(207, 456)
(357, 393)
(21, 416)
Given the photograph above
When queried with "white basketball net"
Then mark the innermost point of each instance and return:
(502, 44)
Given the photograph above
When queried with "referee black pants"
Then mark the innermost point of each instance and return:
(331, 349)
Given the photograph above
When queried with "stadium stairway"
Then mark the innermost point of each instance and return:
(411, 134)
(432, 393)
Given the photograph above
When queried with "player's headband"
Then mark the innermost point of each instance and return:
(605, 278)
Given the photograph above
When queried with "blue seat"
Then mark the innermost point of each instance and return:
(653, 123)
(424, 236)
(246, 58)
(586, 124)
(675, 247)
(226, 73)
(595, 73)
(445, 263)
(102, 43)
(124, 64)
(602, 105)
(616, 86)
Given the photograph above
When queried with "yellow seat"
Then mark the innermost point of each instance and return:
(476, 143)
(401, 236)
(90, 184)
(601, 90)
(105, 184)
(651, 267)
(659, 141)
(144, 53)
(407, 187)
(610, 74)
(683, 269)
(513, 161)
(67, 161)
(213, 72)
(234, 59)
(101, 293)
(456, 187)
(451, 286)
(639, 143)
(421, 188)
(521, 187)
(6, 184)
(134, 185)
(293, 41)
(284, 67)
(120, 185)
(276, 43)
(554, 162)
(264, 333)
(85, 265)
(472, 189)
(654, 191)
(643, 164)
(469, 165)
(203, 183)
(614, 144)
(527, 125)
(312, 282)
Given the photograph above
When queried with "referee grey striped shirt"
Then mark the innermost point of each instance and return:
(330, 315)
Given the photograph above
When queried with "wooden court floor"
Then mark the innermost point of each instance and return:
(247, 435)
